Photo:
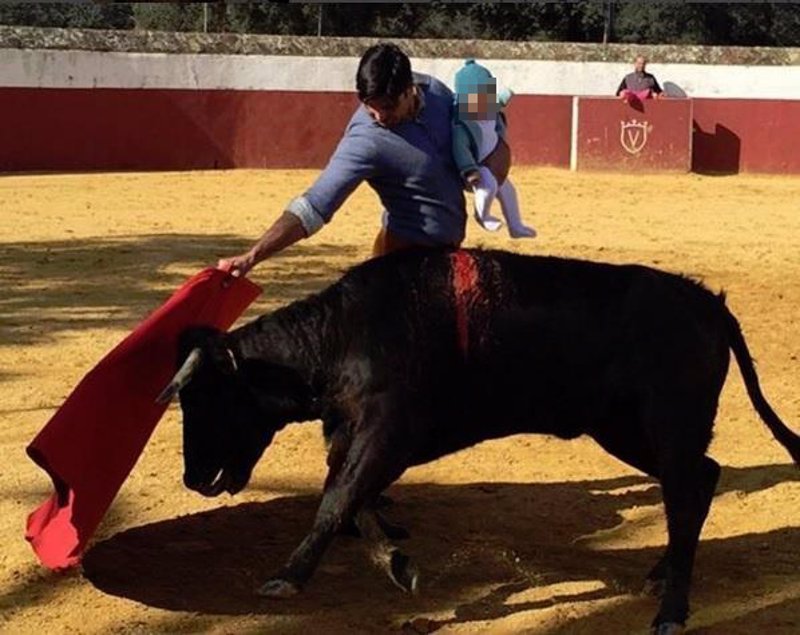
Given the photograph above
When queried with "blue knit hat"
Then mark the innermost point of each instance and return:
(473, 78)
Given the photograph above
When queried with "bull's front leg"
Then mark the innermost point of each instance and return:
(397, 565)
(304, 560)
(369, 467)
(337, 454)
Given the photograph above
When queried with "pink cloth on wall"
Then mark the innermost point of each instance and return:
(94, 439)
(636, 95)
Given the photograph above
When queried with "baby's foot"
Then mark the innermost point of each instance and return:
(488, 222)
(522, 232)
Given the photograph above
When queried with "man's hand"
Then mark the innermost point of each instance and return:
(285, 231)
(473, 178)
(238, 265)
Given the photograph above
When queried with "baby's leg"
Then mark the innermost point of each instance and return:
(507, 195)
(485, 193)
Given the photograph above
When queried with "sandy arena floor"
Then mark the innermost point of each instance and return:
(527, 534)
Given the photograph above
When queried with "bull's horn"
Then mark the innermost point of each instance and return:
(182, 377)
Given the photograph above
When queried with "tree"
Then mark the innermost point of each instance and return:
(272, 17)
(168, 16)
(744, 24)
(661, 23)
(68, 15)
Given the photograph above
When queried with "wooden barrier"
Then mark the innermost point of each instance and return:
(154, 129)
(75, 129)
(746, 135)
(79, 129)
(643, 136)
(539, 129)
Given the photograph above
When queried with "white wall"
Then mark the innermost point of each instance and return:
(88, 69)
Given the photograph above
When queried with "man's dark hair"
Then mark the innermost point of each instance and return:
(384, 71)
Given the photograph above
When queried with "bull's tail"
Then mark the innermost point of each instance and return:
(780, 431)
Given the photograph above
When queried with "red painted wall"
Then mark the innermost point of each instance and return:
(648, 136)
(747, 135)
(539, 129)
(121, 129)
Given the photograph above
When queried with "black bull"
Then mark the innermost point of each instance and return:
(414, 356)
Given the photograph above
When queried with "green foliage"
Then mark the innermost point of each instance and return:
(785, 27)
(272, 17)
(662, 23)
(746, 24)
(740, 24)
(69, 15)
(168, 16)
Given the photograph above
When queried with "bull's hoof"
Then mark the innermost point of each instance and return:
(668, 628)
(403, 572)
(654, 587)
(278, 589)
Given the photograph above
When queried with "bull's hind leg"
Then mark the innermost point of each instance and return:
(688, 487)
(681, 429)
(626, 441)
(629, 444)
(370, 465)
(656, 579)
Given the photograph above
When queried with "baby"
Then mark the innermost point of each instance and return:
(479, 124)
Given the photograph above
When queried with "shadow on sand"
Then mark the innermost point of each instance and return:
(55, 286)
(480, 547)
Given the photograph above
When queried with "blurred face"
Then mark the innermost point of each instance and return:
(476, 103)
(640, 64)
(389, 112)
(479, 103)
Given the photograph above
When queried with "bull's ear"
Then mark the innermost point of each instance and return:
(191, 355)
(212, 343)
(196, 337)
(182, 377)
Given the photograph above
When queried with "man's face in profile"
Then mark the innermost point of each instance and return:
(640, 63)
(388, 112)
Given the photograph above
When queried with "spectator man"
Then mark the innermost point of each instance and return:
(639, 85)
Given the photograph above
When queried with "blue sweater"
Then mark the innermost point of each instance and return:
(410, 167)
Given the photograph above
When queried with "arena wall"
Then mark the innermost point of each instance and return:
(182, 103)
(752, 135)
(612, 135)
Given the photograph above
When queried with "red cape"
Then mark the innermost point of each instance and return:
(92, 442)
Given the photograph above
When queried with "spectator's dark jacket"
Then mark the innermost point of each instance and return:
(636, 81)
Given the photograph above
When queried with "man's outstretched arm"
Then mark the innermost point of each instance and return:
(285, 231)
(351, 163)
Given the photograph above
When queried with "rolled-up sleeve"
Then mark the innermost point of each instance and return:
(309, 218)
(352, 162)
